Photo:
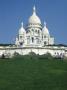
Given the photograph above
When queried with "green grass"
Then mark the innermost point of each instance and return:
(33, 73)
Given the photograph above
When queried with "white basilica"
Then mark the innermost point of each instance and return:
(34, 38)
(35, 34)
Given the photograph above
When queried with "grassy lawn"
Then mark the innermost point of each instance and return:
(33, 73)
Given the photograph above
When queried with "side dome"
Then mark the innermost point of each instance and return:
(34, 19)
(22, 30)
(45, 30)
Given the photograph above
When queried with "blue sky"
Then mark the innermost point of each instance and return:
(13, 12)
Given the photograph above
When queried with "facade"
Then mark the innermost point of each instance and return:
(34, 35)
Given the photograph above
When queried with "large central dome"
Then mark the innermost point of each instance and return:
(34, 19)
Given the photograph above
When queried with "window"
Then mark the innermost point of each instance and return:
(28, 39)
(37, 40)
(44, 36)
(32, 39)
(45, 43)
(38, 31)
(32, 29)
(21, 43)
(20, 37)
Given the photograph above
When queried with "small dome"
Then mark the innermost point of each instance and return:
(34, 19)
(22, 30)
(45, 30)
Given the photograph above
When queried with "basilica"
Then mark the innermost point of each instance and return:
(35, 37)
(34, 34)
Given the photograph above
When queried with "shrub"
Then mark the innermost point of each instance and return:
(32, 53)
(3, 56)
(45, 56)
(48, 55)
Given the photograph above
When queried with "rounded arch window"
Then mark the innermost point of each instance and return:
(20, 37)
(21, 43)
(45, 43)
(32, 39)
(38, 31)
(32, 29)
(44, 36)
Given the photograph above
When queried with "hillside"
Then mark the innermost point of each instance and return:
(33, 73)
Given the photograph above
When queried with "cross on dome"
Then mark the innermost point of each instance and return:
(34, 10)
(22, 24)
(44, 23)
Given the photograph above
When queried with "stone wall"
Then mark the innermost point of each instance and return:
(53, 50)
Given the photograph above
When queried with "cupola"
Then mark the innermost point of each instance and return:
(22, 30)
(45, 29)
(34, 19)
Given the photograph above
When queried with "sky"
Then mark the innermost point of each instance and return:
(13, 12)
